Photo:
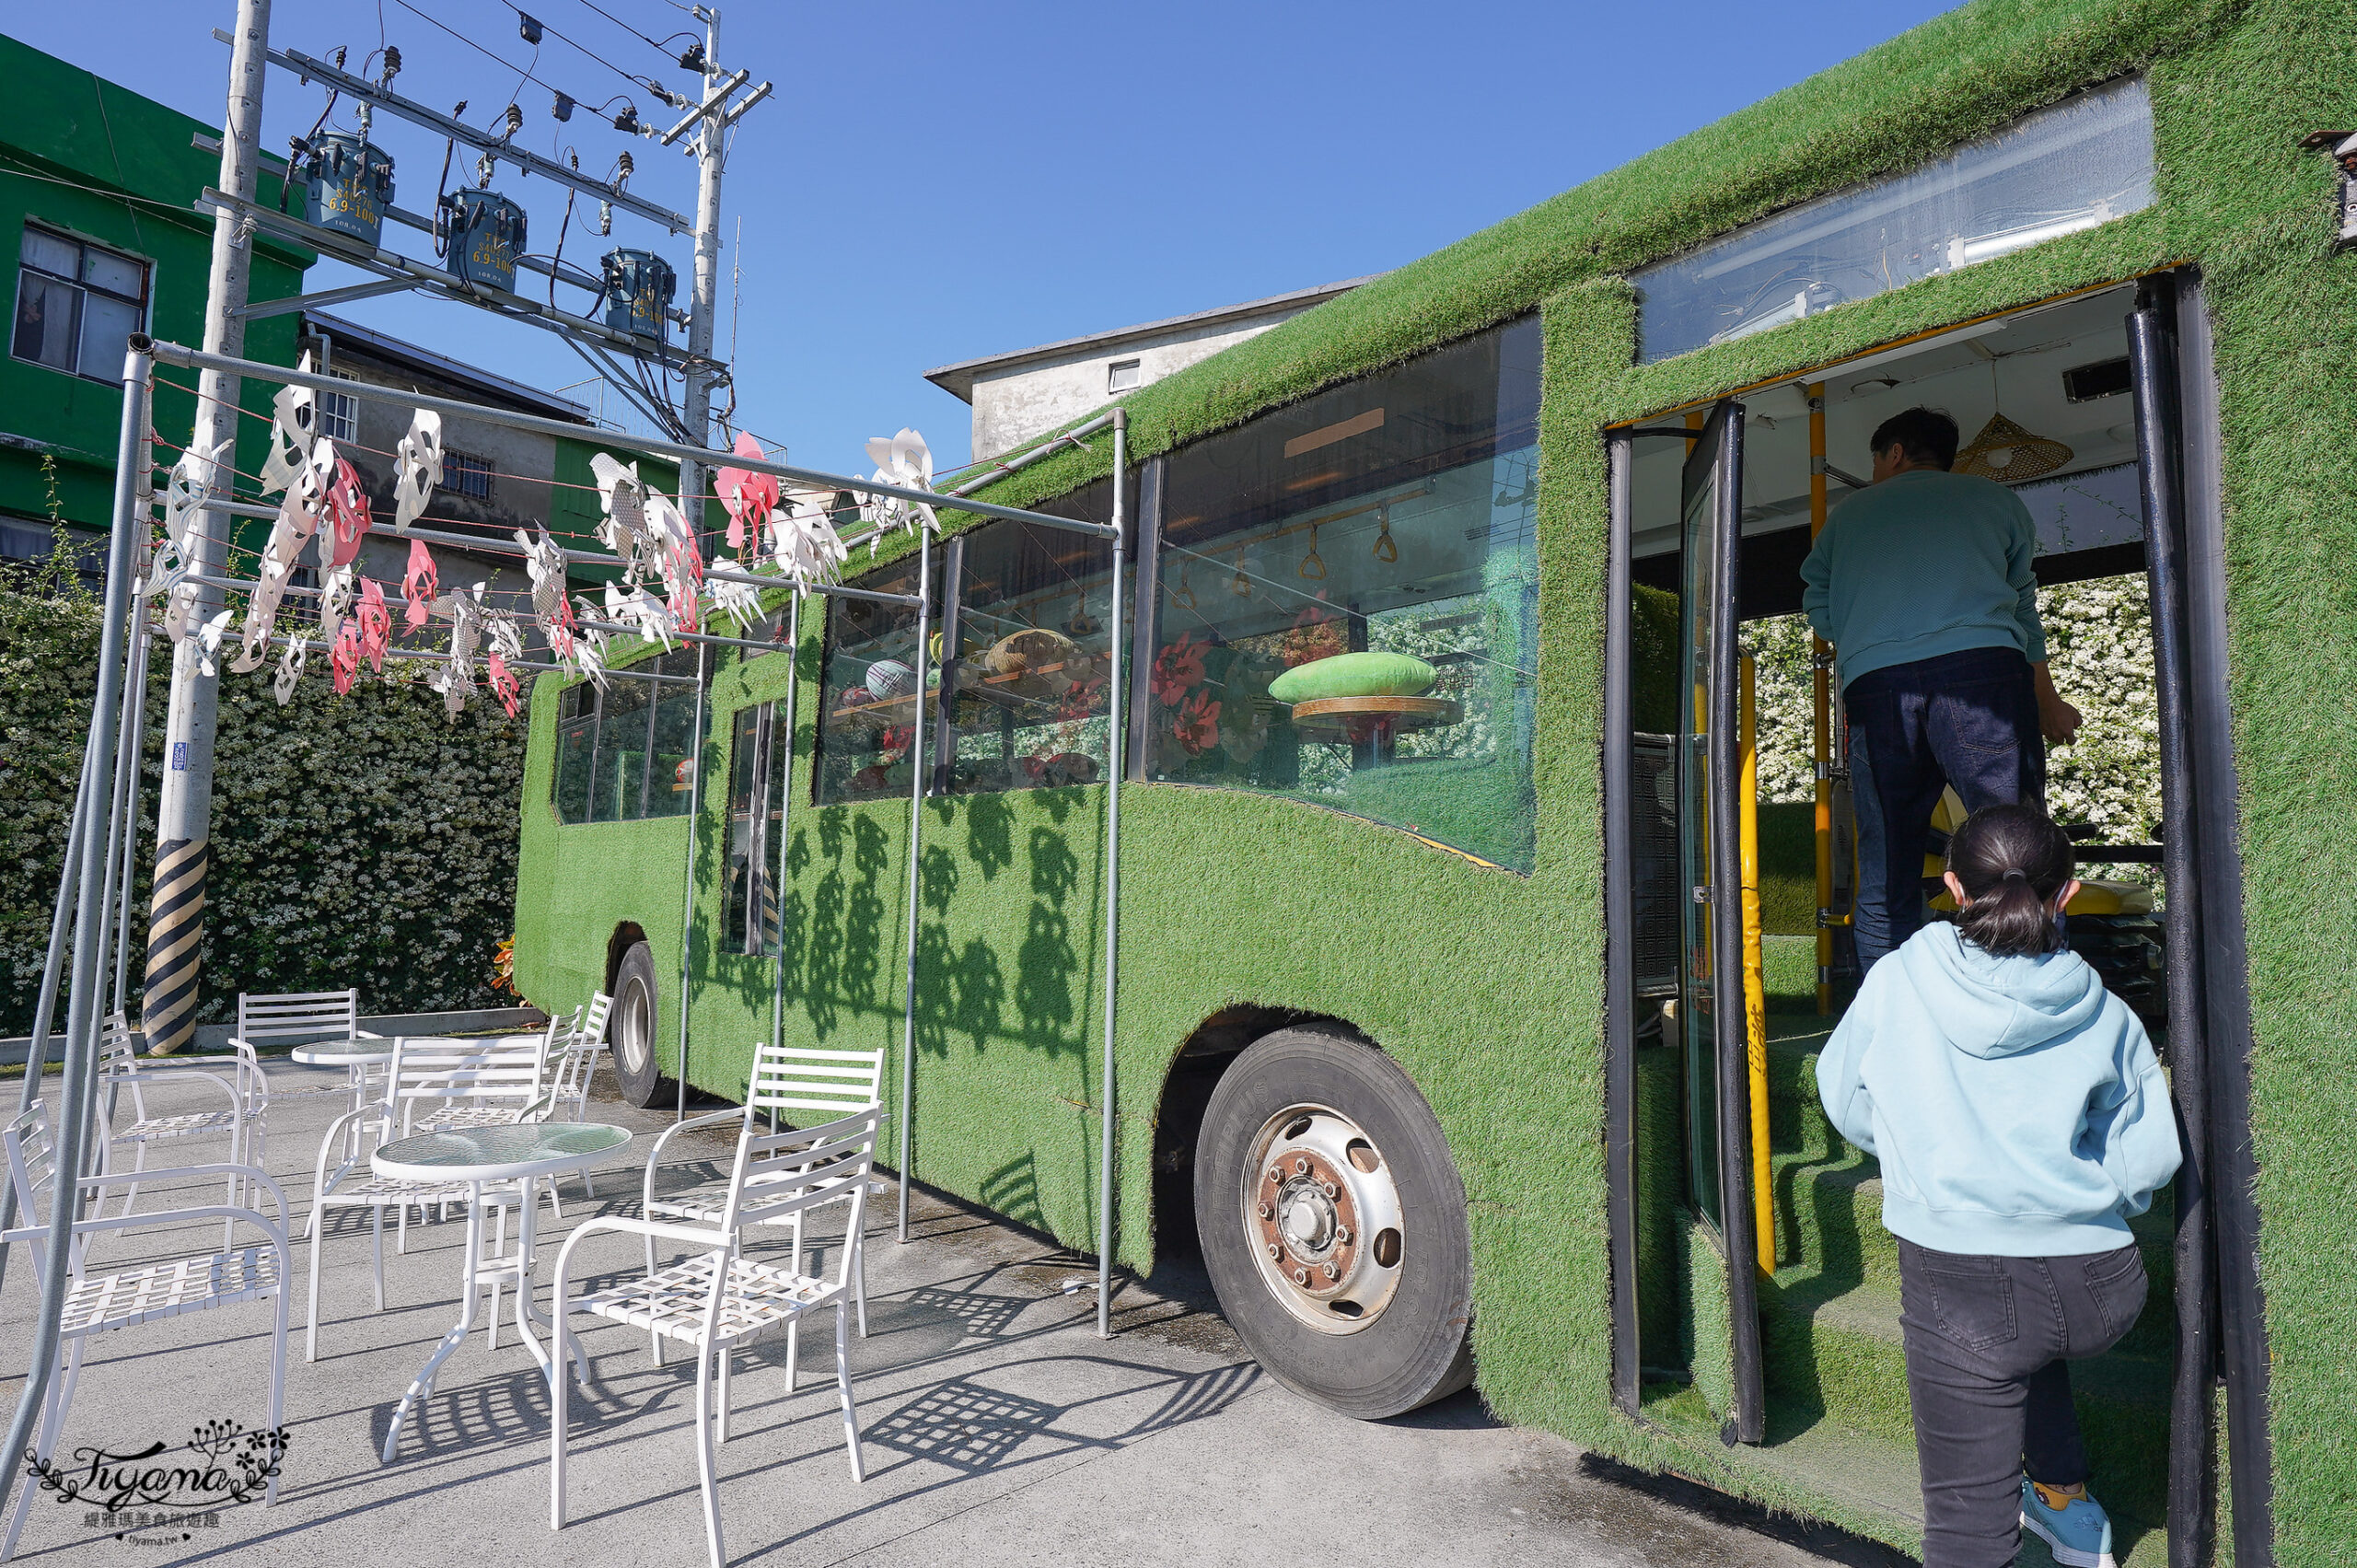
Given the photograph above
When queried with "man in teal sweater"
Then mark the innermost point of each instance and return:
(1921, 582)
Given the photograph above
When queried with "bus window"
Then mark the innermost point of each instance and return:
(867, 712)
(1395, 515)
(1034, 609)
(670, 762)
(740, 871)
(576, 748)
(618, 793)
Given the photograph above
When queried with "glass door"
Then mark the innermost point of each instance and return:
(1717, 1077)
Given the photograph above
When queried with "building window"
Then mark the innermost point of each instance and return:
(466, 474)
(868, 722)
(1123, 375)
(76, 305)
(627, 753)
(2080, 163)
(340, 412)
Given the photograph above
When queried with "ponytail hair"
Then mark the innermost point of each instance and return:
(2013, 860)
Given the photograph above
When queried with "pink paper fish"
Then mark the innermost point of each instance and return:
(504, 682)
(345, 659)
(749, 496)
(376, 623)
(419, 585)
(347, 509)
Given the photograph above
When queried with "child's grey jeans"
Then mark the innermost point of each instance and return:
(1988, 1341)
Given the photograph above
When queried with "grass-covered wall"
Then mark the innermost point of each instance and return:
(1501, 1025)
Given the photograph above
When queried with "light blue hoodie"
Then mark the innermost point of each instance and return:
(2015, 1104)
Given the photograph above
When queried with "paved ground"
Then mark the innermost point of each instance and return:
(999, 1429)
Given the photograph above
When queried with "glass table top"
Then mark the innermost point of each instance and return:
(473, 1148)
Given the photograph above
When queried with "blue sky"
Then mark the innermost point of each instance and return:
(1086, 166)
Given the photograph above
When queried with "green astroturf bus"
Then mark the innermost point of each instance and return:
(1421, 1046)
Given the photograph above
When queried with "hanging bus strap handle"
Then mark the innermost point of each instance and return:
(1183, 596)
(1313, 565)
(1240, 584)
(1387, 550)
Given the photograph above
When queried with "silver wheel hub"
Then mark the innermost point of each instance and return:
(1323, 1217)
(636, 1028)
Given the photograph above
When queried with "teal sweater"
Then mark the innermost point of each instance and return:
(2015, 1103)
(1923, 563)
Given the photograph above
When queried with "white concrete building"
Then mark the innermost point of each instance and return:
(1031, 391)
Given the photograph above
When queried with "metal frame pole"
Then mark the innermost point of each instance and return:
(89, 920)
(121, 826)
(688, 910)
(184, 808)
(785, 811)
(1821, 707)
(920, 765)
(1115, 734)
(703, 287)
(134, 751)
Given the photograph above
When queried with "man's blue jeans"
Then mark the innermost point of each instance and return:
(1968, 719)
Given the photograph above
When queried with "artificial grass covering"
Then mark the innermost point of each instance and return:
(1237, 899)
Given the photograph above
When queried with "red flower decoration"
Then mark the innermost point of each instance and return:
(1198, 725)
(1177, 669)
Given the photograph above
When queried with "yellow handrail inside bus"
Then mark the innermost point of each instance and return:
(1755, 988)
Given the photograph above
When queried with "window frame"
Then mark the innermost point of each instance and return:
(645, 728)
(340, 412)
(459, 468)
(143, 304)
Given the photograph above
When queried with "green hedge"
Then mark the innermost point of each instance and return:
(360, 841)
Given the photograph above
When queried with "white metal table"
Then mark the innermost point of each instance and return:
(512, 1157)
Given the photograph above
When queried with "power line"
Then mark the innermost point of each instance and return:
(633, 32)
(582, 48)
(494, 56)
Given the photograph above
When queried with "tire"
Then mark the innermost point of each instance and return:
(631, 1026)
(1389, 1329)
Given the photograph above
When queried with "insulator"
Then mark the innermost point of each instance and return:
(514, 119)
(692, 58)
(392, 65)
(563, 108)
(529, 28)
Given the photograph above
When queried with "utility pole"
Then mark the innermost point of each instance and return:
(184, 810)
(704, 289)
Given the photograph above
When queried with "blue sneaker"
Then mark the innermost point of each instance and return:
(2079, 1533)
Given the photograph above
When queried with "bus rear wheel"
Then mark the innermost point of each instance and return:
(1333, 1227)
(631, 1026)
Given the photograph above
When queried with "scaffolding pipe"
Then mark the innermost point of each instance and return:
(538, 425)
(785, 813)
(70, 1123)
(918, 768)
(999, 470)
(688, 912)
(1115, 737)
(120, 827)
(136, 751)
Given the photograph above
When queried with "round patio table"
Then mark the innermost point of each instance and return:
(354, 1056)
(496, 1165)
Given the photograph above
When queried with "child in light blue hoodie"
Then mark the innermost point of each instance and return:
(2021, 1119)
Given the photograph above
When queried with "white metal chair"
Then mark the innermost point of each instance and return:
(150, 1291)
(495, 1082)
(574, 1066)
(719, 1300)
(789, 1078)
(240, 1118)
(304, 1017)
(351, 1139)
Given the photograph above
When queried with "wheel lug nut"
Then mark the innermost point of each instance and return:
(1301, 1165)
(1275, 1251)
(1301, 1276)
(1267, 1212)
(1332, 1272)
(1341, 1236)
(1276, 1173)
(1328, 1188)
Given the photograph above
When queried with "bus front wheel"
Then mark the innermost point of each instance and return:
(631, 1025)
(1333, 1222)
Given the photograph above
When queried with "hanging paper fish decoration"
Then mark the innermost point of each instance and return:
(544, 564)
(624, 499)
(803, 539)
(501, 629)
(208, 642)
(420, 470)
(343, 657)
(261, 613)
(903, 460)
(504, 684)
(290, 671)
(741, 602)
(347, 512)
(456, 678)
(298, 519)
(376, 623)
(747, 495)
(420, 584)
(335, 602)
(294, 426)
(590, 660)
(640, 608)
(183, 532)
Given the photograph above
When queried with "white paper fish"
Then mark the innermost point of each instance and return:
(290, 671)
(803, 540)
(335, 603)
(639, 608)
(294, 426)
(741, 602)
(622, 496)
(208, 642)
(420, 470)
(905, 460)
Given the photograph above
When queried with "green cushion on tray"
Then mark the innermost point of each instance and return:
(1355, 675)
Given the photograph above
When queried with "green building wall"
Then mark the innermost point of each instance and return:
(1231, 897)
(81, 154)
